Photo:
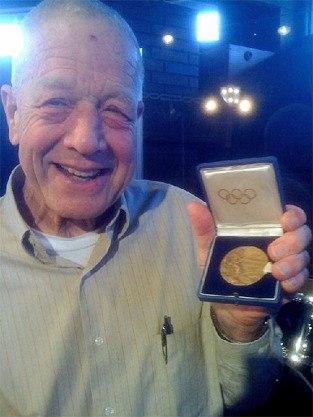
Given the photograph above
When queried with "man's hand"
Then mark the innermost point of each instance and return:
(288, 254)
(203, 230)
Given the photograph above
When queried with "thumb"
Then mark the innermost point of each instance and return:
(203, 229)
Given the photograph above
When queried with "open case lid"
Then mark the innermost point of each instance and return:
(245, 196)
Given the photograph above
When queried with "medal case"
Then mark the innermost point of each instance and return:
(246, 200)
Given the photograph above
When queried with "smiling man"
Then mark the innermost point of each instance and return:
(99, 273)
(78, 101)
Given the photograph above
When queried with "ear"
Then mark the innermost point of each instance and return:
(10, 108)
(140, 109)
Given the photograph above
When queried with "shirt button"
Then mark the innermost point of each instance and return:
(109, 411)
(99, 341)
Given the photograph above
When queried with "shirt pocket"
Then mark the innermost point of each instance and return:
(181, 382)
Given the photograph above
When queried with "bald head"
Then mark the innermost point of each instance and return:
(49, 15)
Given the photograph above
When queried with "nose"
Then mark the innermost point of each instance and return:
(86, 132)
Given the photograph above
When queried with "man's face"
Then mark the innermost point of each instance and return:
(75, 119)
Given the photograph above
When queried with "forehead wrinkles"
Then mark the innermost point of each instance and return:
(91, 58)
(98, 85)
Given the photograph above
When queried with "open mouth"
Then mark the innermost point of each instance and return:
(84, 175)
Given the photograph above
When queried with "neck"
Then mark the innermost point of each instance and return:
(40, 218)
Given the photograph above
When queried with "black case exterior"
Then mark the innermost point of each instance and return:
(237, 224)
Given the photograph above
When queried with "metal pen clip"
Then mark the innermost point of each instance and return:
(167, 329)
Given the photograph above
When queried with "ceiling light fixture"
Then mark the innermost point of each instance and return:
(11, 39)
(245, 106)
(284, 30)
(230, 94)
(168, 39)
(211, 105)
(208, 26)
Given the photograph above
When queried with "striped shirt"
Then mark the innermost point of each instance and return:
(87, 341)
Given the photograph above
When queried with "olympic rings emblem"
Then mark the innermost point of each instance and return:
(237, 196)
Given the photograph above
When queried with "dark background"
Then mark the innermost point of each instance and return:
(177, 134)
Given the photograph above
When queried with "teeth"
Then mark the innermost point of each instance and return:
(82, 174)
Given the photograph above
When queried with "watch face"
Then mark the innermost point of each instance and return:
(244, 265)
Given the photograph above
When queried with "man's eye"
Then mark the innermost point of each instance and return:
(115, 118)
(56, 102)
(116, 113)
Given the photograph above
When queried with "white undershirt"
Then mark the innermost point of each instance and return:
(76, 249)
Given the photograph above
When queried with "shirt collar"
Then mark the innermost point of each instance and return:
(117, 227)
(10, 208)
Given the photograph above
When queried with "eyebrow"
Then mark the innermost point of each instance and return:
(120, 96)
(56, 83)
(69, 84)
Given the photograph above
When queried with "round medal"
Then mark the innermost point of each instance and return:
(244, 265)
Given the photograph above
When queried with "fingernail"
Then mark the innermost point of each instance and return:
(279, 250)
(283, 268)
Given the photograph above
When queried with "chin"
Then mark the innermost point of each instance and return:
(82, 211)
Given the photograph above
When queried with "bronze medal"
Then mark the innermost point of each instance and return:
(244, 265)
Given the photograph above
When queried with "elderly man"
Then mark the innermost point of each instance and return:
(92, 262)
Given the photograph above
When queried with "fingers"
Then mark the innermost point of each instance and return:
(201, 219)
(293, 218)
(289, 251)
(203, 229)
(290, 243)
(290, 266)
(291, 259)
(297, 235)
(294, 284)
(292, 271)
